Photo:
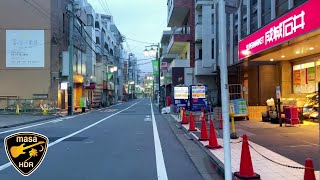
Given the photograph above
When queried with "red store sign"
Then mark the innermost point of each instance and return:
(297, 22)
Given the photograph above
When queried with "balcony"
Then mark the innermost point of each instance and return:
(200, 3)
(180, 38)
(168, 57)
(178, 11)
(200, 70)
(179, 63)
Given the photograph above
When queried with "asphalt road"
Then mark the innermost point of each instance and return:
(122, 142)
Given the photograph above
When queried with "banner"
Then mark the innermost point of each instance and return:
(296, 77)
(311, 74)
(155, 66)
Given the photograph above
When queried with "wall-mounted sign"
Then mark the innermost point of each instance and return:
(25, 48)
(291, 25)
(164, 66)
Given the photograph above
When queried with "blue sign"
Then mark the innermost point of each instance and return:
(198, 100)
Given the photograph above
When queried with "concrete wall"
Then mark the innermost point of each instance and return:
(24, 82)
(206, 36)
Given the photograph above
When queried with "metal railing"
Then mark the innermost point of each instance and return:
(181, 30)
(28, 106)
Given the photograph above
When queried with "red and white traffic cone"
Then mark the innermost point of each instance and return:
(213, 141)
(192, 126)
(309, 170)
(204, 133)
(246, 167)
(184, 117)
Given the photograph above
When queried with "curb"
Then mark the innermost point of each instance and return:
(35, 121)
(215, 160)
(29, 122)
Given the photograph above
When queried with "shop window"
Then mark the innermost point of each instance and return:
(304, 77)
(281, 7)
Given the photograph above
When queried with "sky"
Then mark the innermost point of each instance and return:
(142, 20)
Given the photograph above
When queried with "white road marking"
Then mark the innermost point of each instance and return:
(2, 167)
(148, 116)
(161, 167)
(56, 121)
(147, 119)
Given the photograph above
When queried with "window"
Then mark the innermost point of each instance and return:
(281, 7)
(254, 22)
(97, 25)
(200, 19)
(89, 20)
(200, 53)
(97, 40)
(266, 12)
(298, 2)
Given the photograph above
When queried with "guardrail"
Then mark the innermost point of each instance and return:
(28, 106)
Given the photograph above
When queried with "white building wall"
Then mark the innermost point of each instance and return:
(206, 36)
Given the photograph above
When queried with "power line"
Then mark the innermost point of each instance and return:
(107, 6)
(40, 11)
(103, 7)
(139, 41)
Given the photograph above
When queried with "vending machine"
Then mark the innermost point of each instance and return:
(181, 97)
(198, 97)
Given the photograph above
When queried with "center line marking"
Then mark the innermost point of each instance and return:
(5, 166)
(161, 167)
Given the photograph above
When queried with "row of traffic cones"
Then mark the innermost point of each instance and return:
(246, 168)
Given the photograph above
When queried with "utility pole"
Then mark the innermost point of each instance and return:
(70, 8)
(224, 88)
(158, 51)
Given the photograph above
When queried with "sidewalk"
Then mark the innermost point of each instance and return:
(7, 121)
(268, 140)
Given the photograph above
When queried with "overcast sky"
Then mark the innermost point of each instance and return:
(142, 20)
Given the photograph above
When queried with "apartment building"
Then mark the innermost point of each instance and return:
(33, 36)
(178, 46)
(110, 54)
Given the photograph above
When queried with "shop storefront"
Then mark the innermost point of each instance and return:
(284, 53)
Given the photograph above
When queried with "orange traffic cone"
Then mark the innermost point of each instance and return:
(204, 133)
(213, 141)
(184, 117)
(246, 168)
(192, 127)
(309, 170)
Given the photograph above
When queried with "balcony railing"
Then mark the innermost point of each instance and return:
(181, 30)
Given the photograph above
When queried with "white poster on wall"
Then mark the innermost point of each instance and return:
(25, 48)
